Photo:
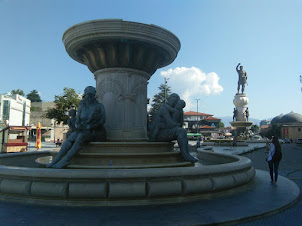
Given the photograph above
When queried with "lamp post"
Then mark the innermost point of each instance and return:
(197, 115)
(166, 82)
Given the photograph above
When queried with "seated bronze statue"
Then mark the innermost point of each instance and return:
(167, 125)
(89, 126)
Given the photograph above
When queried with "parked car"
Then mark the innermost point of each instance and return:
(281, 141)
(256, 137)
(299, 141)
(287, 141)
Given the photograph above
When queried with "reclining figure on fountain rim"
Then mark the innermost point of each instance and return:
(89, 126)
(167, 125)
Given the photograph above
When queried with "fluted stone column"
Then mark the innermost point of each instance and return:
(122, 55)
(124, 95)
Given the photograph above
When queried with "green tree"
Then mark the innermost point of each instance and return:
(255, 128)
(160, 98)
(69, 98)
(221, 124)
(34, 96)
(18, 91)
(274, 131)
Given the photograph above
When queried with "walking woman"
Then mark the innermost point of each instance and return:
(273, 162)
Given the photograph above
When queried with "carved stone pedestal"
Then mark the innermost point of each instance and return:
(122, 55)
(240, 101)
(123, 92)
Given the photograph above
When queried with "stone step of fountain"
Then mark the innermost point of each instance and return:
(135, 166)
(105, 159)
(126, 147)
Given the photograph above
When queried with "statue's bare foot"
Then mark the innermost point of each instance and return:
(61, 164)
(49, 165)
(189, 157)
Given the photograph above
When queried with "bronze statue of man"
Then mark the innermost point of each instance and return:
(235, 114)
(89, 126)
(242, 78)
(247, 114)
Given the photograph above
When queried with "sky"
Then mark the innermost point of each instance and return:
(264, 36)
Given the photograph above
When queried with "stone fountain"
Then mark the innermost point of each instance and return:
(125, 170)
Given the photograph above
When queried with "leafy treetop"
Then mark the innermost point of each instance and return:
(18, 91)
(69, 98)
(160, 98)
(34, 96)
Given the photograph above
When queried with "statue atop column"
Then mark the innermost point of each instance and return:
(167, 125)
(235, 113)
(247, 114)
(89, 126)
(242, 78)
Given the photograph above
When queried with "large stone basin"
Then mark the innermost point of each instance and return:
(21, 180)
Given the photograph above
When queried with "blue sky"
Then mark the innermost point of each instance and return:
(264, 36)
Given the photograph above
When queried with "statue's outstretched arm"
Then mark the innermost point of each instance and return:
(237, 67)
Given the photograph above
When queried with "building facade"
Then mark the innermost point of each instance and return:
(201, 122)
(291, 125)
(14, 110)
(264, 122)
(291, 131)
(51, 131)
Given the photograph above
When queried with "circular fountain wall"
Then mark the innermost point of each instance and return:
(21, 180)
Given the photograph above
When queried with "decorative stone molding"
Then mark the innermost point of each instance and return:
(116, 43)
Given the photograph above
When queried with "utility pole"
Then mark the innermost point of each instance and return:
(166, 83)
(197, 115)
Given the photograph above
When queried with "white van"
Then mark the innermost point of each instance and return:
(299, 141)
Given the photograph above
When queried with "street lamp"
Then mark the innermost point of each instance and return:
(197, 115)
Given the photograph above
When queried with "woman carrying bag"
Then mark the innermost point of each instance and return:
(274, 158)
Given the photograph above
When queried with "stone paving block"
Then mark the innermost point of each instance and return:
(127, 189)
(16, 187)
(53, 189)
(197, 185)
(87, 190)
(164, 188)
(223, 182)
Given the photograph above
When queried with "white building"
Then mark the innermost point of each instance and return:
(14, 109)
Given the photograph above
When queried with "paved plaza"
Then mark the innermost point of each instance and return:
(233, 204)
(291, 168)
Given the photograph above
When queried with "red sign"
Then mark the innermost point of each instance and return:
(285, 131)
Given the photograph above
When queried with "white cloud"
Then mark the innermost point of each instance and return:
(192, 83)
